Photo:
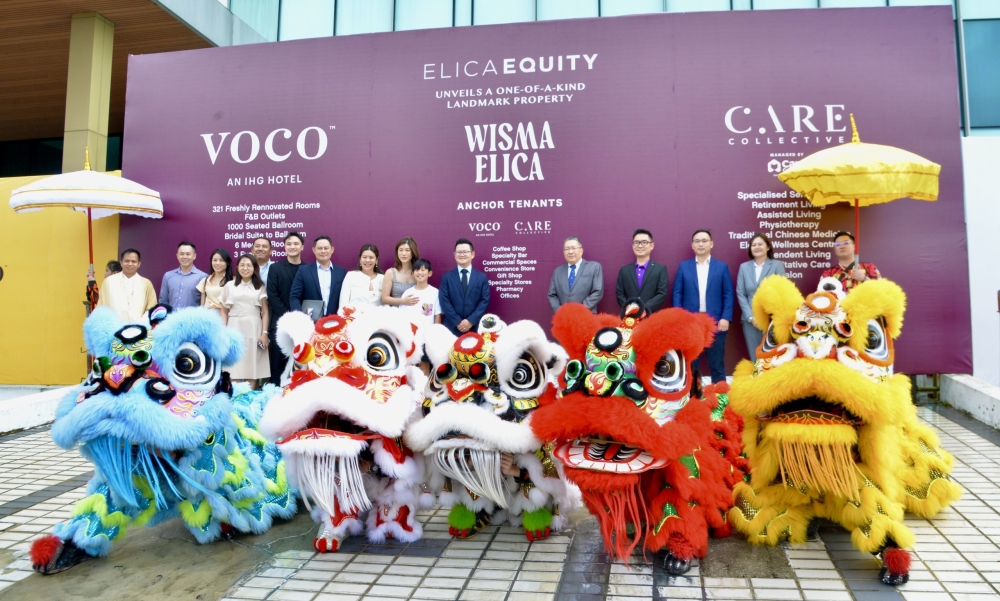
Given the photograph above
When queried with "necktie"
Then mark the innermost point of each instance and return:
(572, 276)
(465, 281)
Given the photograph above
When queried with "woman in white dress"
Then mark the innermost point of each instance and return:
(244, 309)
(211, 285)
(399, 278)
(363, 285)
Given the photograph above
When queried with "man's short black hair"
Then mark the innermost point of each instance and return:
(318, 238)
(130, 250)
(642, 231)
(461, 241)
(186, 243)
(261, 238)
(696, 232)
(295, 235)
(114, 266)
(421, 264)
(848, 234)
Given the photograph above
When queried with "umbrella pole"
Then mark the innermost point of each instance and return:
(857, 236)
(90, 237)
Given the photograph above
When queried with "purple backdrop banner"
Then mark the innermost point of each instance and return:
(517, 136)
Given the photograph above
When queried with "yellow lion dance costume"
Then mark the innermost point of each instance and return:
(829, 431)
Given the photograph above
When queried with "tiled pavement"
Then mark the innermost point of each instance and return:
(957, 554)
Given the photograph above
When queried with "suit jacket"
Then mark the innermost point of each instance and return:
(746, 283)
(279, 289)
(456, 305)
(654, 285)
(588, 287)
(718, 292)
(305, 286)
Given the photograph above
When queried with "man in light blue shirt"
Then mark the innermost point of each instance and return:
(324, 273)
(179, 287)
(318, 281)
(262, 252)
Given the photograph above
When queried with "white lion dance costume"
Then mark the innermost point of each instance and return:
(479, 396)
(339, 421)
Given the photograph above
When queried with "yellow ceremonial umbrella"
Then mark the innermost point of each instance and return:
(864, 174)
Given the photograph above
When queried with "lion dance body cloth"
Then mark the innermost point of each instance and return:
(655, 458)
(830, 431)
(480, 450)
(340, 419)
(156, 419)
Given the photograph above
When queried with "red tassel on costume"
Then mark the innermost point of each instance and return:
(44, 549)
(896, 560)
(680, 548)
(615, 510)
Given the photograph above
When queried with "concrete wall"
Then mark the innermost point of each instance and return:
(977, 398)
(981, 159)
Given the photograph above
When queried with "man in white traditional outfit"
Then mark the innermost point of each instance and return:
(128, 293)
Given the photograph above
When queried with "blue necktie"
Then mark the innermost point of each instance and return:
(572, 276)
(465, 281)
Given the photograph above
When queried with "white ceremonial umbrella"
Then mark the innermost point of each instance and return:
(96, 194)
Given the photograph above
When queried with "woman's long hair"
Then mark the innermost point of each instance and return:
(255, 278)
(227, 275)
(415, 254)
(374, 250)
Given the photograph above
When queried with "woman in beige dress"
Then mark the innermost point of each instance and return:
(399, 278)
(244, 309)
(211, 285)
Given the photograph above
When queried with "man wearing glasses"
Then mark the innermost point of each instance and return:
(645, 279)
(704, 285)
(464, 295)
(849, 274)
(576, 281)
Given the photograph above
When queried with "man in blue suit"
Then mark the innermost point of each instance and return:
(465, 292)
(319, 281)
(703, 285)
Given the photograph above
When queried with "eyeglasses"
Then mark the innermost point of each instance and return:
(844, 243)
(701, 240)
(641, 243)
(569, 248)
(463, 252)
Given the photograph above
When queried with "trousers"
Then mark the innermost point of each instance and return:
(716, 358)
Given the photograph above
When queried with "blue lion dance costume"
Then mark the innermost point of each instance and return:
(157, 420)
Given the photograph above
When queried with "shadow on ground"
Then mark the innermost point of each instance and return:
(166, 562)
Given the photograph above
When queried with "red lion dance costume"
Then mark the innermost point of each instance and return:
(655, 458)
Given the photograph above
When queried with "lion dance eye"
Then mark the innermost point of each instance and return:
(877, 342)
(381, 354)
(574, 369)
(670, 372)
(527, 374)
(614, 371)
(770, 342)
(193, 368)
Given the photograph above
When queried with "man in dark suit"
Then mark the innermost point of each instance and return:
(704, 285)
(464, 294)
(279, 290)
(576, 280)
(319, 281)
(645, 279)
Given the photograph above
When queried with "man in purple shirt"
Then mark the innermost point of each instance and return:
(179, 287)
(645, 279)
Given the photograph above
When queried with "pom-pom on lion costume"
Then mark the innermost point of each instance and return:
(156, 419)
(830, 431)
(338, 422)
(655, 457)
(480, 396)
